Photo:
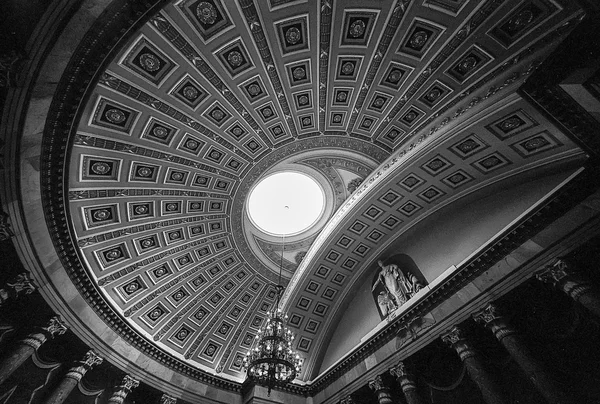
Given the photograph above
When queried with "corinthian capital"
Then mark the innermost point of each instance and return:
(56, 326)
(554, 272)
(488, 314)
(129, 383)
(399, 370)
(91, 359)
(454, 335)
(167, 399)
(377, 384)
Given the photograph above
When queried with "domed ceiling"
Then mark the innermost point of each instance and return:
(395, 109)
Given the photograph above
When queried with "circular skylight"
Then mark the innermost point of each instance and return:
(286, 203)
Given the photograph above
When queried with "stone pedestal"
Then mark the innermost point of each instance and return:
(564, 277)
(491, 391)
(541, 378)
(382, 391)
(123, 389)
(407, 383)
(26, 347)
(72, 378)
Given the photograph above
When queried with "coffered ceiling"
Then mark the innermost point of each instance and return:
(396, 108)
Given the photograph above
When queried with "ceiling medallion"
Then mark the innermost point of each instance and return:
(357, 28)
(467, 65)
(206, 13)
(433, 95)
(149, 62)
(348, 68)
(520, 20)
(100, 168)
(190, 92)
(254, 89)
(299, 73)
(511, 123)
(418, 39)
(115, 116)
(235, 59)
(293, 35)
(160, 132)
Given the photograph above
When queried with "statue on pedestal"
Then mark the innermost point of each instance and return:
(399, 287)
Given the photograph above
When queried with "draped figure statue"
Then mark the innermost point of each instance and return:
(398, 286)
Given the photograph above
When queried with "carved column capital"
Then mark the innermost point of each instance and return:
(347, 400)
(167, 399)
(56, 326)
(122, 390)
(561, 274)
(22, 284)
(377, 384)
(90, 360)
(404, 377)
(554, 273)
(491, 317)
(399, 370)
(456, 338)
(5, 230)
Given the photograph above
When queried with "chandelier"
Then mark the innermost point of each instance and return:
(271, 361)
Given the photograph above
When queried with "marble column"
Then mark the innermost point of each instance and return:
(26, 347)
(491, 391)
(21, 285)
(563, 276)
(73, 376)
(123, 389)
(167, 399)
(382, 391)
(543, 380)
(407, 382)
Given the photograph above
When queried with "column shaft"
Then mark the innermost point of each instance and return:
(491, 391)
(60, 394)
(412, 396)
(562, 275)
(534, 370)
(14, 360)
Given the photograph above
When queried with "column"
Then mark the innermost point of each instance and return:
(563, 276)
(73, 376)
(21, 285)
(407, 382)
(491, 391)
(26, 347)
(534, 370)
(383, 392)
(167, 399)
(122, 389)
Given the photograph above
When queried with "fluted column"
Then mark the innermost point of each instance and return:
(22, 284)
(167, 399)
(73, 376)
(491, 391)
(563, 277)
(407, 382)
(382, 391)
(534, 370)
(123, 389)
(26, 347)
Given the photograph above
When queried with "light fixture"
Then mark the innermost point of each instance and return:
(271, 361)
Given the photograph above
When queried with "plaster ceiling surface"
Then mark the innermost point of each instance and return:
(395, 108)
